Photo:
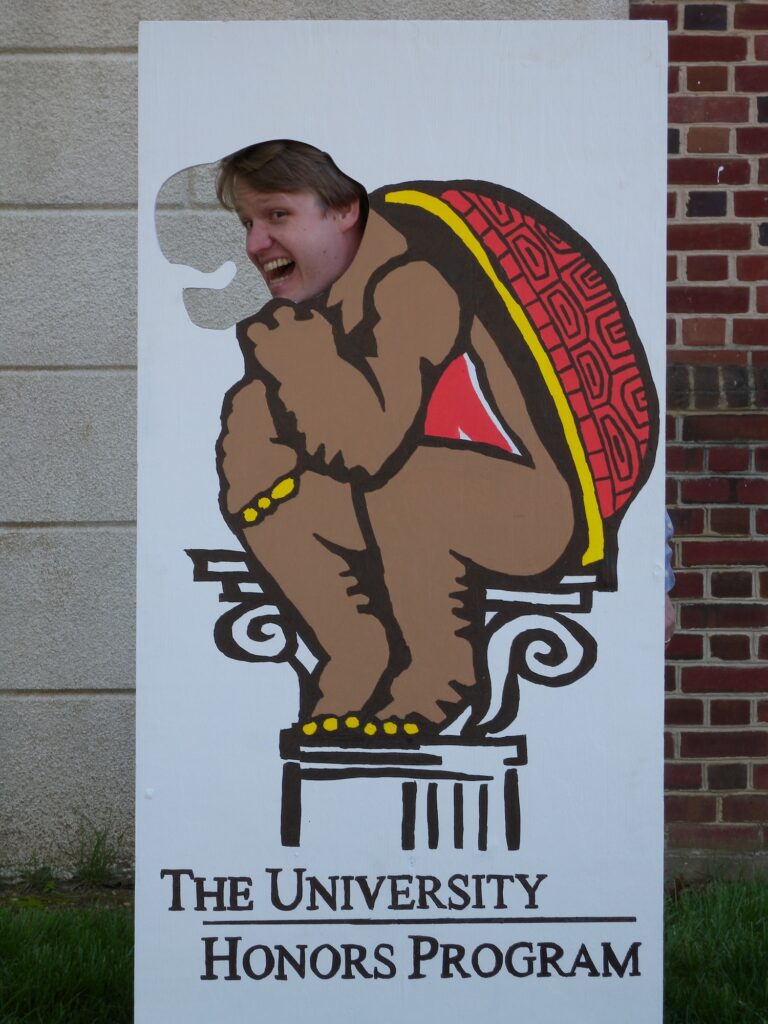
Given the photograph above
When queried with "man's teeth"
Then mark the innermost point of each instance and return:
(271, 265)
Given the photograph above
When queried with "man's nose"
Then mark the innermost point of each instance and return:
(257, 241)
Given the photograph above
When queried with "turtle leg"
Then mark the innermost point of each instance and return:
(445, 517)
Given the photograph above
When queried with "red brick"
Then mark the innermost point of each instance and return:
(711, 744)
(671, 332)
(685, 647)
(688, 521)
(760, 776)
(670, 491)
(751, 204)
(725, 427)
(692, 171)
(683, 712)
(706, 357)
(713, 837)
(709, 109)
(761, 520)
(690, 808)
(726, 776)
(762, 300)
(669, 679)
(762, 709)
(655, 12)
(669, 746)
(683, 459)
(752, 491)
(726, 647)
(688, 584)
(762, 176)
(764, 584)
(706, 489)
(673, 80)
(707, 79)
(761, 460)
(682, 776)
(706, 299)
(731, 584)
(752, 140)
(688, 49)
(706, 268)
(750, 15)
(704, 332)
(750, 332)
(671, 268)
(729, 712)
(728, 460)
(708, 236)
(745, 808)
(708, 140)
(729, 522)
(723, 679)
(723, 616)
(752, 268)
(752, 78)
(671, 205)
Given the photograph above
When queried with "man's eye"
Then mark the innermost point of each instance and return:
(247, 224)
(279, 214)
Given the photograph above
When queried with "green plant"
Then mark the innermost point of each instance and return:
(93, 851)
(716, 956)
(65, 966)
(38, 875)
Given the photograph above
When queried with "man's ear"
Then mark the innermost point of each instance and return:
(349, 215)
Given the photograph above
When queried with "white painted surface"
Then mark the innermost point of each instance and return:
(571, 115)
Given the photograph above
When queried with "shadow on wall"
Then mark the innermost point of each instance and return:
(193, 230)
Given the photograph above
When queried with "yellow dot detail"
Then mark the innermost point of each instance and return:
(390, 728)
(309, 729)
(331, 724)
(411, 728)
(250, 515)
(352, 722)
(284, 488)
(369, 729)
(263, 502)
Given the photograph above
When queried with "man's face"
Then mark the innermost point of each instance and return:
(299, 247)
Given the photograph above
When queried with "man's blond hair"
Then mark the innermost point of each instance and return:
(283, 165)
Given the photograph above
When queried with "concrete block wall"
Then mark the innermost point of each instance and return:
(67, 380)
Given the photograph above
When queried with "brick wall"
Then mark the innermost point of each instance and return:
(717, 455)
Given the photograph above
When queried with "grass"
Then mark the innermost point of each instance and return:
(716, 955)
(60, 965)
(65, 961)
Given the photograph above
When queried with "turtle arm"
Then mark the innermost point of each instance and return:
(354, 412)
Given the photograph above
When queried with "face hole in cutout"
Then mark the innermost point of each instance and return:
(195, 231)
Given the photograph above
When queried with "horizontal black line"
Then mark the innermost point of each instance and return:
(382, 772)
(419, 922)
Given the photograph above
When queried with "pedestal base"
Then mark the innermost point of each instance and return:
(454, 793)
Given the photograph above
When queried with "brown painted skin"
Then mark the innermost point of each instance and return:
(442, 508)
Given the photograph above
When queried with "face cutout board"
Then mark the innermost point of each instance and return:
(400, 585)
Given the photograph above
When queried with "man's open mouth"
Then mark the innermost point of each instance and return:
(277, 270)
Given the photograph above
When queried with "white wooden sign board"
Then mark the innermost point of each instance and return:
(454, 883)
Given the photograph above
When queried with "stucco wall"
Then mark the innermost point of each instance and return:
(67, 386)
